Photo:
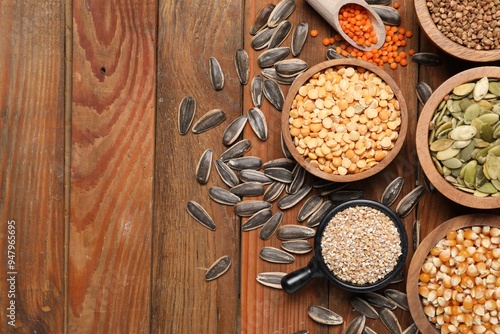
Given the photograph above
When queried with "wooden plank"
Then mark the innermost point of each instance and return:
(32, 166)
(114, 74)
(189, 33)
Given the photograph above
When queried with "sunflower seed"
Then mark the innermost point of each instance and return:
(292, 232)
(355, 326)
(271, 279)
(275, 255)
(274, 94)
(236, 150)
(407, 203)
(398, 297)
(298, 179)
(270, 57)
(280, 34)
(242, 64)
(378, 2)
(412, 329)
(324, 316)
(271, 226)
(318, 215)
(299, 37)
(247, 162)
(424, 92)
(364, 308)
(286, 152)
(390, 321)
(290, 67)
(226, 174)
(286, 163)
(426, 58)
(262, 38)
(250, 175)
(389, 15)
(204, 167)
(309, 207)
(200, 215)
(216, 74)
(256, 89)
(187, 109)
(290, 200)
(218, 268)
(260, 20)
(249, 207)
(303, 331)
(296, 246)
(281, 12)
(273, 191)
(400, 277)
(368, 330)
(416, 234)
(392, 191)
(342, 196)
(378, 300)
(257, 220)
(248, 189)
(258, 122)
(234, 130)
(279, 174)
(270, 73)
(331, 53)
(332, 187)
(209, 120)
(319, 183)
(223, 196)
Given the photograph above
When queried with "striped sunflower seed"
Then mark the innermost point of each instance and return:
(256, 220)
(302, 331)
(342, 196)
(368, 330)
(286, 151)
(297, 246)
(281, 12)
(290, 67)
(364, 308)
(204, 167)
(299, 37)
(290, 200)
(390, 321)
(379, 2)
(412, 329)
(233, 130)
(331, 53)
(250, 175)
(378, 300)
(398, 297)
(216, 74)
(271, 226)
(258, 122)
(400, 277)
(271, 279)
(246, 162)
(273, 191)
(279, 174)
(226, 174)
(260, 20)
(298, 179)
(407, 203)
(248, 189)
(209, 120)
(276, 255)
(249, 207)
(223, 196)
(236, 150)
(293, 232)
(200, 215)
(262, 38)
(416, 234)
(256, 90)
(389, 15)
(332, 187)
(286, 163)
(323, 315)
(426, 58)
(187, 109)
(270, 57)
(309, 207)
(242, 64)
(274, 94)
(315, 219)
(424, 92)
(270, 73)
(280, 34)
(355, 326)
(392, 191)
(218, 268)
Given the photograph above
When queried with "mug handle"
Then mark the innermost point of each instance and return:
(297, 279)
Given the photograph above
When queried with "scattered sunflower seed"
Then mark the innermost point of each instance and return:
(424, 92)
(309, 207)
(271, 226)
(364, 308)
(303, 331)
(342, 196)
(331, 53)
(407, 203)
(234, 130)
(223, 196)
(298, 179)
(216, 74)
(290, 200)
(256, 90)
(274, 94)
(299, 37)
(248, 189)
(242, 64)
(262, 38)
(246, 162)
(218, 268)
(270, 73)
(281, 12)
(296, 246)
(368, 330)
(250, 175)
(378, 300)
(398, 297)
(279, 174)
(315, 219)
(400, 277)
(258, 122)
(392, 191)
(200, 215)
(271, 279)
(331, 187)
(187, 109)
(379, 2)
(290, 67)
(204, 167)
(426, 58)
(260, 20)
(355, 326)
(280, 34)
(390, 321)
(209, 120)
(276, 255)
(249, 207)
(292, 232)
(416, 234)
(324, 315)
(237, 150)
(256, 220)
(270, 57)
(286, 152)
(286, 163)
(412, 329)
(389, 15)
(226, 174)
(273, 191)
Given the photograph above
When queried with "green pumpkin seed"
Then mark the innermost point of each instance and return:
(489, 118)
(448, 153)
(494, 88)
(452, 163)
(480, 89)
(486, 133)
(472, 112)
(460, 143)
(441, 144)
(464, 132)
(464, 89)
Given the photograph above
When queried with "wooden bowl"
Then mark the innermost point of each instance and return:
(329, 10)
(414, 301)
(446, 44)
(302, 79)
(422, 140)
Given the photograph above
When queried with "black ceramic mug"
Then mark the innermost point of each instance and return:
(317, 267)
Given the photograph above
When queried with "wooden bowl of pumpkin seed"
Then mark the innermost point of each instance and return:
(344, 120)
(458, 138)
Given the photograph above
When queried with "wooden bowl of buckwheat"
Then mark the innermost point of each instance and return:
(469, 31)
(344, 120)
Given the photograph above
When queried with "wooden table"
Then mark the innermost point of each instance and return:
(95, 176)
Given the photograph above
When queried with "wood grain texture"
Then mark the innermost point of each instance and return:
(114, 47)
(32, 164)
(190, 32)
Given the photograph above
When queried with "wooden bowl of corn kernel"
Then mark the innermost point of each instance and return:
(454, 277)
(344, 120)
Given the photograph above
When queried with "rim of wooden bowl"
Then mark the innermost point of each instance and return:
(414, 302)
(422, 140)
(446, 44)
(302, 78)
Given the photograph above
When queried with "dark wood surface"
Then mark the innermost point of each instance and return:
(96, 176)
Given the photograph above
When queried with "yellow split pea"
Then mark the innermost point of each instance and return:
(344, 120)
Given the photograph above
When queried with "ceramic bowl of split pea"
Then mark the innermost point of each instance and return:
(458, 138)
(344, 120)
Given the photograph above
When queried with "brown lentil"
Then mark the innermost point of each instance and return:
(360, 245)
(344, 120)
(470, 23)
(459, 282)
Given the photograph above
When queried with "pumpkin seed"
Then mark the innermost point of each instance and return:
(209, 120)
(276, 255)
(390, 321)
(494, 88)
(448, 153)
(196, 211)
(299, 37)
(464, 89)
(364, 308)
(274, 94)
(324, 315)
(256, 90)
(280, 34)
(260, 20)
(242, 64)
(271, 226)
(256, 220)
(464, 132)
(216, 74)
(218, 268)
(392, 191)
(204, 167)
(270, 57)
(292, 232)
(271, 279)
(223, 196)
(187, 109)
(281, 12)
(480, 89)
(258, 122)
(296, 246)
